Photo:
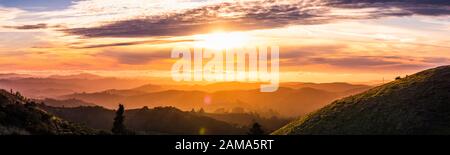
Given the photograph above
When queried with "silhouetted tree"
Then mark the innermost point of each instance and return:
(145, 108)
(398, 78)
(118, 126)
(201, 111)
(18, 95)
(256, 129)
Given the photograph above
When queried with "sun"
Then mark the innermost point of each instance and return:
(222, 40)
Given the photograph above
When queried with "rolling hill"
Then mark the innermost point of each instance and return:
(159, 120)
(64, 103)
(285, 101)
(20, 117)
(247, 119)
(416, 104)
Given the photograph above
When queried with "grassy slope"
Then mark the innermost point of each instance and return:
(417, 104)
(19, 117)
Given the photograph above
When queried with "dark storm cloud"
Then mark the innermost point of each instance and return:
(258, 15)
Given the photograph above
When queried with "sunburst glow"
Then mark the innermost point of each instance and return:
(222, 40)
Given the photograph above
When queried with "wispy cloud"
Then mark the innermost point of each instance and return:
(152, 42)
(133, 58)
(250, 15)
(346, 36)
(28, 27)
(367, 63)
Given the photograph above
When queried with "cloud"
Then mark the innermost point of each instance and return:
(250, 15)
(337, 56)
(390, 62)
(355, 61)
(301, 55)
(7, 13)
(436, 60)
(132, 43)
(14, 53)
(224, 16)
(134, 58)
(28, 27)
(398, 7)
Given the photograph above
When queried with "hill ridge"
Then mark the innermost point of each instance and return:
(21, 116)
(416, 104)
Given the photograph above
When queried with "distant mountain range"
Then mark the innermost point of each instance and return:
(65, 103)
(292, 99)
(14, 76)
(416, 104)
(56, 85)
(81, 76)
(91, 89)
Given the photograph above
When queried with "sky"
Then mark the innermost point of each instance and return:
(37, 5)
(320, 40)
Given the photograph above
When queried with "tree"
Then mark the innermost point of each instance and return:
(145, 108)
(118, 126)
(201, 111)
(256, 129)
(18, 95)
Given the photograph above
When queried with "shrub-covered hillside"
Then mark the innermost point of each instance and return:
(19, 116)
(416, 104)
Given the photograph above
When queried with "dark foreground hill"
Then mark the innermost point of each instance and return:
(19, 116)
(246, 120)
(159, 120)
(417, 104)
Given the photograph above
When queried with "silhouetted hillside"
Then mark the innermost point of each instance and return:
(64, 103)
(19, 116)
(247, 119)
(160, 120)
(416, 104)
